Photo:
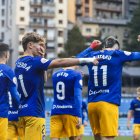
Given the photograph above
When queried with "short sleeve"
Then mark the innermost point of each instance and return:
(78, 80)
(132, 107)
(41, 63)
(129, 56)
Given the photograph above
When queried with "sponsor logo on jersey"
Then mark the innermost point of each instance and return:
(23, 106)
(13, 112)
(62, 106)
(98, 91)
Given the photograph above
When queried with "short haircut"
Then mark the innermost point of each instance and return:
(31, 37)
(3, 48)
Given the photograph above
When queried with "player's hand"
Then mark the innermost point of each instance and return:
(95, 44)
(138, 39)
(85, 123)
(79, 123)
(41, 51)
(128, 125)
(96, 61)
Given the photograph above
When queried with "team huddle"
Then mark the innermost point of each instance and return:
(22, 101)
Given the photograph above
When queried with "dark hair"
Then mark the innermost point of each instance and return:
(3, 48)
(31, 37)
(110, 41)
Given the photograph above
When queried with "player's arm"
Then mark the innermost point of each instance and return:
(14, 94)
(94, 45)
(129, 117)
(66, 62)
(78, 104)
(86, 110)
(126, 56)
(130, 113)
(78, 97)
(12, 86)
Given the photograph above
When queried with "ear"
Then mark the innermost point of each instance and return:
(7, 55)
(30, 45)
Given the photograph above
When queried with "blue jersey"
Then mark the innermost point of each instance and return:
(13, 109)
(67, 85)
(84, 112)
(105, 79)
(30, 77)
(7, 80)
(135, 106)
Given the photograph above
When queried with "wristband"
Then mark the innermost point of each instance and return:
(86, 60)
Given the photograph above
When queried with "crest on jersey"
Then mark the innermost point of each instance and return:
(43, 60)
(127, 53)
(15, 80)
(81, 82)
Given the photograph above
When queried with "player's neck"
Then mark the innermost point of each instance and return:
(2, 61)
(108, 49)
(27, 53)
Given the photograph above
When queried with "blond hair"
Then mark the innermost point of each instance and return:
(31, 37)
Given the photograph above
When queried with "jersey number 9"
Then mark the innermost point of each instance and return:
(60, 89)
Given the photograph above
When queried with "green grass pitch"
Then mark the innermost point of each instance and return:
(91, 138)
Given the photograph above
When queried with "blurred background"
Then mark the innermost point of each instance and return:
(69, 26)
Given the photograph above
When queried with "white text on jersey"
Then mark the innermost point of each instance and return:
(23, 65)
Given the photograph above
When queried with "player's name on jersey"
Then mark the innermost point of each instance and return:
(98, 91)
(23, 65)
(23, 106)
(65, 74)
(62, 106)
(13, 112)
(108, 57)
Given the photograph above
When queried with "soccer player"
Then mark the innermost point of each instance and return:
(7, 83)
(84, 119)
(29, 71)
(13, 132)
(104, 86)
(66, 111)
(134, 111)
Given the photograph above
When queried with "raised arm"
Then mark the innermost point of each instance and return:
(94, 45)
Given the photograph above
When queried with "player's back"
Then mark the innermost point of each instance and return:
(5, 79)
(64, 83)
(105, 79)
